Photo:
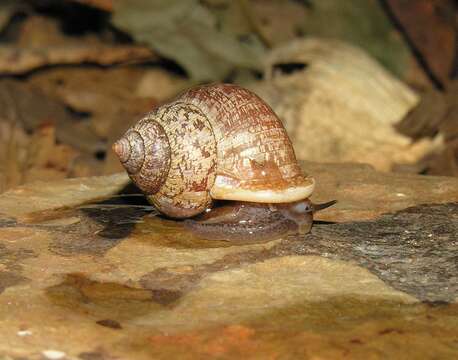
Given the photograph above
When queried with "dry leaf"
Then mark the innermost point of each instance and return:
(47, 160)
(431, 27)
(41, 42)
(15, 60)
(7, 9)
(188, 32)
(108, 96)
(160, 85)
(26, 159)
(437, 113)
(27, 107)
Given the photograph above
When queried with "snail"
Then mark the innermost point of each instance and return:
(220, 142)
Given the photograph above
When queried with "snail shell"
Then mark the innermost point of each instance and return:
(216, 141)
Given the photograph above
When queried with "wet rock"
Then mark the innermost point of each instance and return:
(86, 255)
(249, 290)
(364, 194)
(413, 250)
(48, 196)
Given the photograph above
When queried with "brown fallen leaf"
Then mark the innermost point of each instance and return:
(430, 26)
(41, 42)
(29, 108)
(160, 85)
(15, 60)
(45, 159)
(27, 159)
(108, 92)
(424, 119)
(436, 115)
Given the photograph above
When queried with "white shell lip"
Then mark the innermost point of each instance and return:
(263, 196)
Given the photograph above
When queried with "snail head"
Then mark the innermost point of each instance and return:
(144, 152)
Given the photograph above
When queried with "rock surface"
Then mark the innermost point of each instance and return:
(365, 194)
(87, 278)
(46, 196)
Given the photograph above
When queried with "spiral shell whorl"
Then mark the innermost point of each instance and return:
(131, 151)
(145, 153)
(122, 149)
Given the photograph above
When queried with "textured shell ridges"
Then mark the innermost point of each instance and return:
(254, 151)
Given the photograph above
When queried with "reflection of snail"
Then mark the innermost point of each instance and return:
(219, 142)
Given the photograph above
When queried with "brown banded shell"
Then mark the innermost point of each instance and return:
(216, 141)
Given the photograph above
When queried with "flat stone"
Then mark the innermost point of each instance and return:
(40, 196)
(88, 270)
(365, 194)
(252, 290)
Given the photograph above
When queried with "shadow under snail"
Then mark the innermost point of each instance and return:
(220, 142)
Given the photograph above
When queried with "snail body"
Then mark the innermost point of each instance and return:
(251, 222)
(214, 142)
